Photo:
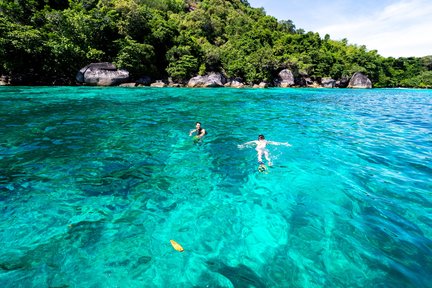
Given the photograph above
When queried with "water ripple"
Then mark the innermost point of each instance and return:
(94, 182)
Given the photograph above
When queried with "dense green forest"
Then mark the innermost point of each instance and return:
(48, 41)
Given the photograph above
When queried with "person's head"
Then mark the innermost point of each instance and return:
(198, 124)
(261, 137)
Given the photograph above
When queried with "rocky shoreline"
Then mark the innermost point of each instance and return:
(106, 74)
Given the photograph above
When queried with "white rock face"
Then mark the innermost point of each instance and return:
(102, 74)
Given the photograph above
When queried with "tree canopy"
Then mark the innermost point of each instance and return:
(50, 40)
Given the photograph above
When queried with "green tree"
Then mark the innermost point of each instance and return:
(182, 62)
(22, 48)
(136, 57)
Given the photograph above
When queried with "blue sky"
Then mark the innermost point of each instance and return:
(396, 28)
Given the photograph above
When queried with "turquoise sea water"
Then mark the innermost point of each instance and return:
(95, 182)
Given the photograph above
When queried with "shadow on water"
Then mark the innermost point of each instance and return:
(240, 276)
(115, 177)
(89, 139)
(228, 162)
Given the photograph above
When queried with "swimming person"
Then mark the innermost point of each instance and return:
(261, 147)
(199, 132)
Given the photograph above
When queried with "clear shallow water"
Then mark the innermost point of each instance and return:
(94, 182)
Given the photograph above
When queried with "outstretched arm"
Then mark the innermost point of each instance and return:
(279, 143)
(246, 144)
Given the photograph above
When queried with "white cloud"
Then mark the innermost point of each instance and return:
(402, 29)
(397, 28)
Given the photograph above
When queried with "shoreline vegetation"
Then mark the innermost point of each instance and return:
(184, 43)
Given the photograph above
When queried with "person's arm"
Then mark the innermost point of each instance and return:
(192, 131)
(279, 143)
(246, 144)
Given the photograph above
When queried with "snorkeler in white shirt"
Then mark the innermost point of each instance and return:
(261, 147)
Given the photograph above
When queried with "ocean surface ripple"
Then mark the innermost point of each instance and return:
(95, 182)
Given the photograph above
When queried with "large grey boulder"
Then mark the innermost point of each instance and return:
(4, 80)
(212, 79)
(102, 74)
(286, 78)
(328, 82)
(359, 80)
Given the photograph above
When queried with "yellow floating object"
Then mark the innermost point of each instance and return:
(176, 246)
